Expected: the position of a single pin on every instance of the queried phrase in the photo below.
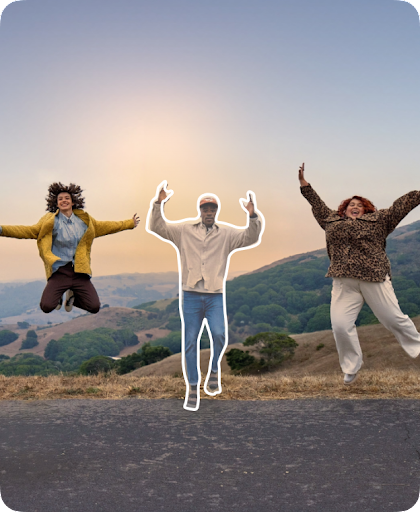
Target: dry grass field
(371, 384)
(388, 372)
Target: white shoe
(58, 306)
(349, 378)
(68, 305)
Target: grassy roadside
(384, 384)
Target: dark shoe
(69, 300)
(212, 386)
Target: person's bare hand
(249, 206)
(136, 220)
(162, 196)
(303, 182)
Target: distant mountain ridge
(20, 301)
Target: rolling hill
(380, 348)
(113, 318)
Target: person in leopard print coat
(356, 239)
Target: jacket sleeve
(246, 237)
(21, 231)
(400, 208)
(168, 231)
(107, 227)
(319, 209)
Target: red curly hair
(367, 205)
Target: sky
(217, 96)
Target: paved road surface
(151, 455)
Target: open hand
(249, 206)
(164, 194)
(303, 182)
(136, 220)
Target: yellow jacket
(43, 229)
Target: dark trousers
(63, 279)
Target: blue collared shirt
(66, 236)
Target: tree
(321, 319)
(23, 325)
(152, 355)
(30, 341)
(125, 337)
(273, 347)
(7, 337)
(172, 341)
(145, 356)
(96, 365)
(27, 364)
(174, 323)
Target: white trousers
(347, 298)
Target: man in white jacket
(203, 248)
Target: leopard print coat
(356, 248)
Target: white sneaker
(69, 300)
(349, 378)
(58, 306)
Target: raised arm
(319, 209)
(157, 223)
(400, 208)
(250, 235)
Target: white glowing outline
(163, 185)
(3, 6)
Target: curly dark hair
(367, 205)
(56, 188)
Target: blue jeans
(197, 307)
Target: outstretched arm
(400, 208)
(319, 209)
(158, 224)
(21, 231)
(108, 227)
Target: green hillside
(294, 296)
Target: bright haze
(214, 96)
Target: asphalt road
(152, 455)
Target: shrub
(274, 347)
(129, 363)
(23, 325)
(238, 359)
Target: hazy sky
(214, 96)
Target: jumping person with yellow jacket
(356, 237)
(64, 238)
